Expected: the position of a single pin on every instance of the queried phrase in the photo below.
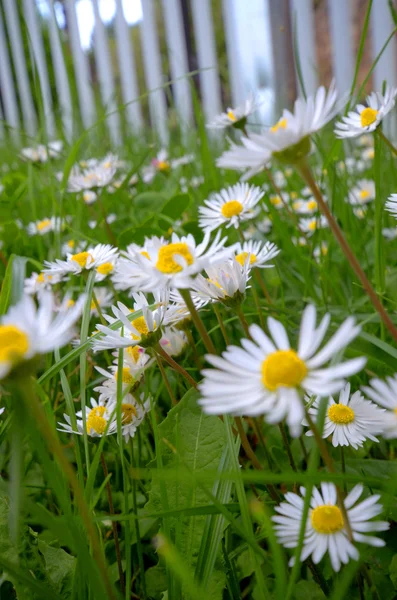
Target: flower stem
(307, 176)
(197, 321)
(114, 524)
(177, 367)
(243, 321)
(287, 447)
(110, 234)
(221, 324)
(262, 285)
(388, 143)
(166, 381)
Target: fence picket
(129, 85)
(207, 59)
(341, 43)
(82, 73)
(303, 27)
(7, 86)
(19, 62)
(178, 59)
(382, 26)
(153, 71)
(235, 70)
(36, 43)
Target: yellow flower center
(141, 326)
(275, 200)
(41, 278)
(281, 124)
(70, 303)
(231, 116)
(145, 254)
(14, 344)
(43, 224)
(371, 154)
(126, 376)
(105, 269)
(340, 414)
(312, 225)
(241, 258)
(293, 195)
(165, 260)
(71, 243)
(368, 116)
(128, 412)
(296, 205)
(134, 352)
(231, 209)
(163, 165)
(82, 258)
(283, 368)
(312, 205)
(364, 194)
(327, 519)
(96, 420)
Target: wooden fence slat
(61, 75)
(177, 53)
(105, 76)
(36, 43)
(7, 86)
(340, 18)
(19, 62)
(207, 59)
(129, 84)
(81, 69)
(382, 25)
(235, 70)
(303, 24)
(153, 70)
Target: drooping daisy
(143, 331)
(384, 393)
(230, 207)
(44, 226)
(259, 253)
(364, 119)
(173, 263)
(267, 377)
(288, 140)
(173, 341)
(312, 224)
(26, 331)
(38, 282)
(325, 527)
(100, 420)
(351, 421)
(101, 257)
(226, 282)
(235, 117)
(362, 193)
(391, 205)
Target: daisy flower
(305, 207)
(177, 313)
(42, 153)
(174, 341)
(173, 263)
(391, 205)
(130, 375)
(325, 527)
(101, 257)
(44, 226)
(267, 376)
(320, 251)
(230, 207)
(390, 233)
(93, 174)
(288, 140)
(310, 225)
(384, 393)
(225, 283)
(104, 298)
(100, 420)
(364, 119)
(259, 253)
(38, 282)
(89, 197)
(143, 331)
(71, 246)
(235, 117)
(351, 421)
(26, 331)
(163, 164)
(362, 193)
(133, 413)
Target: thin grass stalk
(176, 366)
(166, 380)
(221, 323)
(197, 321)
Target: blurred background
(148, 67)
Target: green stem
(243, 321)
(221, 323)
(166, 380)
(177, 367)
(287, 447)
(386, 140)
(198, 322)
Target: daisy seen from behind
(231, 206)
(268, 377)
(325, 530)
(235, 117)
(351, 421)
(384, 393)
(364, 119)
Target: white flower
(259, 253)
(364, 119)
(94, 174)
(368, 154)
(235, 116)
(257, 149)
(362, 193)
(101, 257)
(162, 163)
(325, 527)
(390, 233)
(99, 419)
(104, 298)
(310, 225)
(26, 331)
(38, 282)
(225, 283)
(177, 313)
(320, 251)
(71, 246)
(173, 263)
(174, 341)
(351, 421)
(305, 207)
(267, 377)
(391, 205)
(137, 331)
(230, 207)
(41, 153)
(132, 414)
(384, 393)
(131, 375)
(44, 226)
(89, 197)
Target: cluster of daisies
(168, 281)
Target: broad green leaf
(146, 204)
(59, 566)
(5, 294)
(174, 209)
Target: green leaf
(5, 294)
(393, 571)
(199, 442)
(174, 209)
(146, 204)
(59, 568)
(308, 590)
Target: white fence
(258, 43)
